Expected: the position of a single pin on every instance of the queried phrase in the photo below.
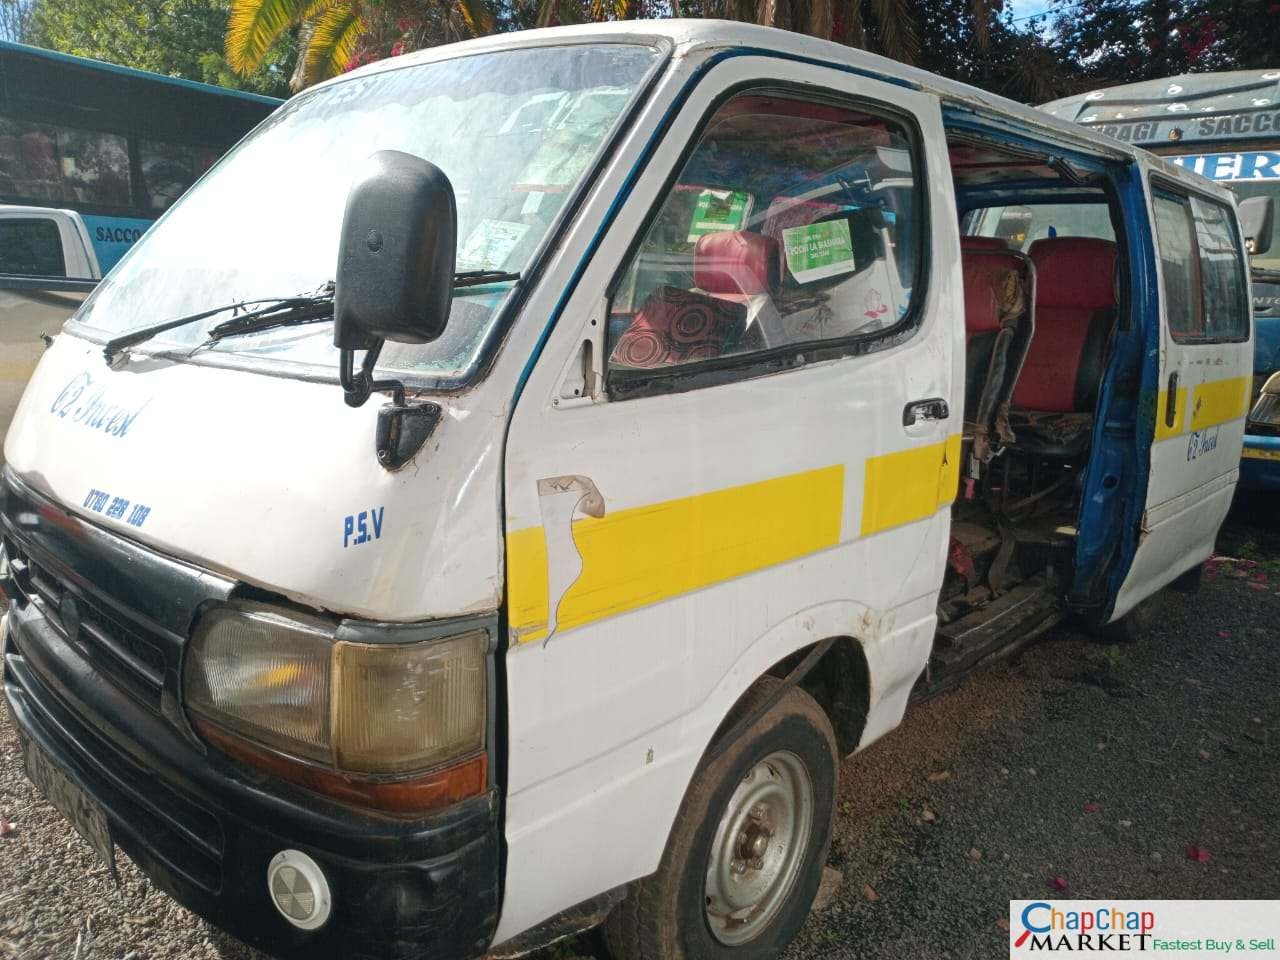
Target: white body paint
(253, 476)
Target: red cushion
(1075, 272)
(736, 262)
(1075, 279)
(983, 243)
(678, 326)
(985, 275)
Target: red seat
(1075, 308)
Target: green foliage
(1123, 41)
(178, 38)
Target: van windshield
(516, 131)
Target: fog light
(298, 889)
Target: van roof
(692, 37)
(1187, 95)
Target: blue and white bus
(1226, 127)
(116, 145)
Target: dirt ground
(1149, 770)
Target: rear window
(31, 248)
(1021, 225)
(1201, 269)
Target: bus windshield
(516, 131)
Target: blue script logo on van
(82, 403)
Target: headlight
(282, 680)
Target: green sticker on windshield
(819, 250)
(717, 211)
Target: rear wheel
(745, 855)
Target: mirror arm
(402, 429)
(358, 387)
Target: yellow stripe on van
(909, 485)
(636, 557)
(1219, 401)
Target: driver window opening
(792, 222)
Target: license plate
(73, 803)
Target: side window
(169, 168)
(1203, 270)
(47, 163)
(31, 248)
(1226, 305)
(793, 221)
(1179, 267)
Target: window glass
(1022, 225)
(1221, 272)
(1179, 268)
(169, 168)
(32, 248)
(791, 222)
(43, 163)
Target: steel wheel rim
(759, 848)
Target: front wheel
(745, 855)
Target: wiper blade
(477, 278)
(286, 313)
(112, 348)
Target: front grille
(184, 836)
(120, 651)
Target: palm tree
(332, 33)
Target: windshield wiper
(279, 312)
(478, 278)
(303, 308)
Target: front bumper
(205, 828)
(1260, 463)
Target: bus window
(56, 164)
(31, 248)
(1022, 225)
(169, 168)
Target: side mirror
(1257, 223)
(394, 282)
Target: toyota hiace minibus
(496, 497)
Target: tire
(679, 912)
(1189, 582)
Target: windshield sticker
(116, 508)
(531, 203)
(358, 528)
(90, 408)
(490, 244)
(719, 210)
(819, 250)
(1233, 166)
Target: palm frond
(254, 25)
(897, 30)
(767, 13)
(334, 38)
(546, 12)
(855, 30)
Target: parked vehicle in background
(1226, 127)
(47, 267)
(590, 436)
(90, 154)
(116, 145)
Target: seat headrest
(993, 284)
(1077, 272)
(983, 243)
(736, 262)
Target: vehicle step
(1006, 622)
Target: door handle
(1171, 401)
(935, 408)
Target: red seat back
(736, 262)
(1074, 310)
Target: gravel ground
(1097, 767)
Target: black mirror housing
(396, 256)
(1257, 222)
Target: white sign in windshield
(1261, 165)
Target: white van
(498, 494)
